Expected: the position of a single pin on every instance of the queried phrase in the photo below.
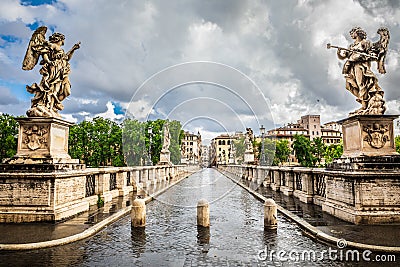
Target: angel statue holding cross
(360, 80)
(54, 86)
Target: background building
(191, 148)
(205, 156)
(220, 149)
(312, 123)
(331, 133)
(287, 133)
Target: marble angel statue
(360, 80)
(54, 86)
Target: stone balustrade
(30, 196)
(360, 197)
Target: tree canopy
(8, 136)
(304, 151)
(97, 143)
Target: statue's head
(357, 31)
(56, 37)
(383, 30)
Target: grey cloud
(6, 97)
(278, 44)
(75, 106)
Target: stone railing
(29, 196)
(365, 197)
(110, 182)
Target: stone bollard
(203, 213)
(270, 214)
(138, 213)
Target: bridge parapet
(360, 197)
(52, 196)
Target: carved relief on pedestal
(35, 137)
(376, 135)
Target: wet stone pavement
(236, 236)
(384, 235)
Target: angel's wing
(380, 48)
(32, 55)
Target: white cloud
(110, 114)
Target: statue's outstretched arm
(71, 52)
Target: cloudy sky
(214, 65)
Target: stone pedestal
(41, 182)
(165, 158)
(362, 186)
(42, 145)
(248, 157)
(368, 135)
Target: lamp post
(262, 131)
(150, 132)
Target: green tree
(115, 144)
(269, 151)
(240, 148)
(134, 142)
(333, 151)
(304, 151)
(177, 134)
(282, 151)
(8, 136)
(97, 143)
(103, 142)
(156, 139)
(318, 148)
(397, 143)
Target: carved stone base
(165, 158)
(43, 138)
(368, 135)
(248, 157)
(42, 146)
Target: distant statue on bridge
(360, 80)
(54, 86)
(249, 140)
(167, 137)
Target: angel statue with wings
(360, 80)
(54, 86)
